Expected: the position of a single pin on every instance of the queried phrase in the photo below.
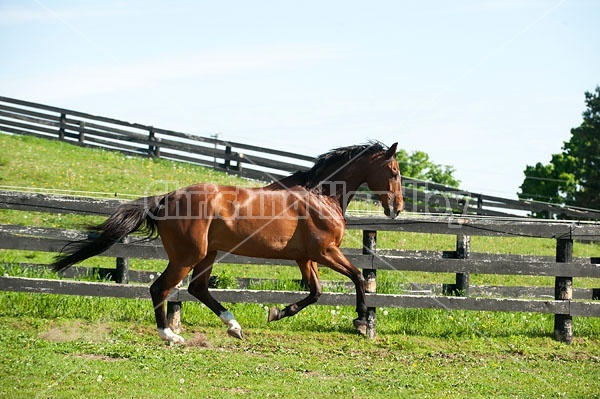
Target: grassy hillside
(65, 346)
(35, 163)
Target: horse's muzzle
(395, 206)
(391, 213)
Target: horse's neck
(343, 184)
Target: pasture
(60, 346)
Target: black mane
(311, 178)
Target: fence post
(61, 129)
(122, 271)
(563, 291)
(461, 286)
(239, 167)
(81, 131)
(151, 147)
(227, 161)
(463, 248)
(370, 275)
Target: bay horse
(300, 217)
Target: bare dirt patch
(76, 331)
(199, 340)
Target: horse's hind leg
(199, 288)
(310, 275)
(159, 290)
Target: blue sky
(485, 86)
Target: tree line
(572, 177)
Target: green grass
(65, 346)
(59, 346)
(35, 163)
(80, 350)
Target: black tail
(139, 215)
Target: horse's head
(384, 181)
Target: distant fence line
(261, 163)
(561, 300)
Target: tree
(573, 176)
(418, 166)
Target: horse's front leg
(310, 275)
(333, 258)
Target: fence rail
(460, 262)
(53, 240)
(81, 288)
(484, 291)
(23, 117)
(83, 129)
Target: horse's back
(253, 221)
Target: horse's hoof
(177, 339)
(235, 333)
(166, 334)
(274, 314)
(361, 326)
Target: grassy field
(60, 346)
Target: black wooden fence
(23, 117)
(561, 300)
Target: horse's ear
(391, 152)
